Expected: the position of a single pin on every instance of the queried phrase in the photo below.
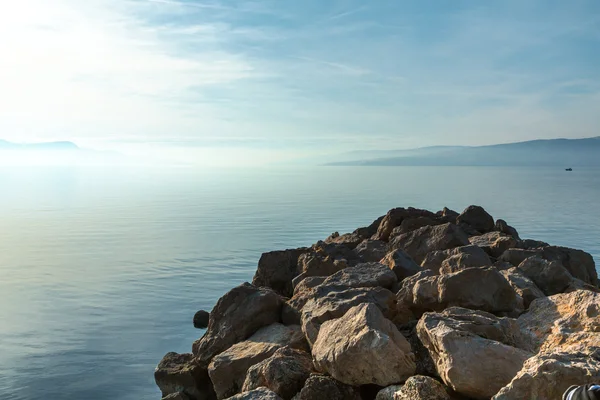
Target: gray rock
(550, 276)
(363, 275)
(412, 223)
(348, 239)
(517, 256)
(370, 250)
(237, 315)
(502, 226)
(318, 264)
(276, 269)
(524, 286)
(464, 260)
(181, 373)
(363, 347)
(472, 254)
(321, 387)
(424, 240)
(395, 217)
(256, 394)
(580, 264)
(477, 218)
(387, 393)
(201, 319)
(401, 264)
(494, 243)
(422, 388)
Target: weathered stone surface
(578, 284)
(321, 387)
(201, 319)
(180, 373)
(502, 226)
(237, 315)
(549, 375)
(422, 388)
(334, 304)
(494, 243)
(256, 394)
(464, 259)
(422, 241)
(579, 263)
(387, 393)
(348, 239)
(276, 269)
(448, 215)
(524, 286)
(284, 372)
(363, 347)
(517, 256)
(565, 322)
(550, 276)
(370, 250)
(363, 275)
(475, 255)
(476, 288)
(318, 264)
(228, 369)
(531, 244)
(401, 264)
(475, 352)
(395, 217)
(477, 218)
(177, 396)
(412, 223)
(423, 360)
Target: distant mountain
(5, 145)
(551, 152)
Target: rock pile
(418, 305)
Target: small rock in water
(201, 319)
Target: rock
(413, 223)
(228, 369)
(423, 361)
(564, 322)
(348, 239)
(528, 244)
(276, 270)
(395, 217)
(284, 372)
(179, 373)
(337, 252)
(321, 387)
(317, 264)
(401, 264)
(494, 243)
(578, 284)
(256, 394)
(237, 315)
(363, 347)
(303, 291)
(369, 231)
(471, 255)
(422, 388)
(524, 286)
(580, 264)
(363, 275)
(550, 276)
(370, 250)
(201, 319)
(329, 304)
(387, 393)
(502, 226)
(424, 240)
(517, 256)
(475, 352)
(477, 218)
(549, 375)
(448, 215)
(476, 288)
(464, 260)
(177, 396)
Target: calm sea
(102, 271)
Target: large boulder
(422, 388)
(475, 352)
(321, 387)
(363, 347)
(237, 315)
(284, 372)
(524, 286)
(276, 269)
(464, 256)
(363, 275)
(424, 240)
(579, 263)
(477, 218)
(476, 288)
(549, 375)
(395, 217)
(317, 264)
(401, 264)
(201, 319)
(550, 276)
(494, 243)
(516, 256)
(412, 223)
(179, 373)
(256, 394)
(370, 250)
(347, 239)
(228, 369)
(388, 393)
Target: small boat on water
(569, 169)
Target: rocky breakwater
(417, 305)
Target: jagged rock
(477, 218)
(502, 265)
(387, 393)
(422, 388)
(369, 231)
(475, 352)
(177, 396)
(502, 226)
(276, 269)
(370, 250)
(329, 304)
(256, 394)
(363, 347)
(550, 276)
(524, 286)
(348, 239)
(578, 284)
(363, 275)
(201, 319)
(228, 369)
(464, 260)
(237, 315)
(494, 243)
(303, 291)
(473, 255)
(531, 244)
(413, 223)
(395, 217)
(565, 322)
(317, 264)
(424, 240)
(321, 387)
(476, 288)
(549, 375)
(401, 264)
(284, 372)
(580, 264)
(517, 256)
(423, 360)
(448, 215)
(180, 373)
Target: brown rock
(422, 388)
(412, 223)
(517, 256)
(180, 373)
(502, 226)
(387, 393)
(237, 315)
(228, 369)
(524, 286)
(473, 256)
(284, 372)
(463, 261)
(395, 217)
(550, 276)
(494, 243)
(363, 275)
(348, 239)
(363, 347)
(474, 351)
(256, 394)
(424, 240)
(318, 264)
(401, 264)
(276, 270)
(580, 264)
(370, 250)
(321, 387)
(477, 218)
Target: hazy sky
(297, 76)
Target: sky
(271, 80)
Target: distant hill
(551, 152)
